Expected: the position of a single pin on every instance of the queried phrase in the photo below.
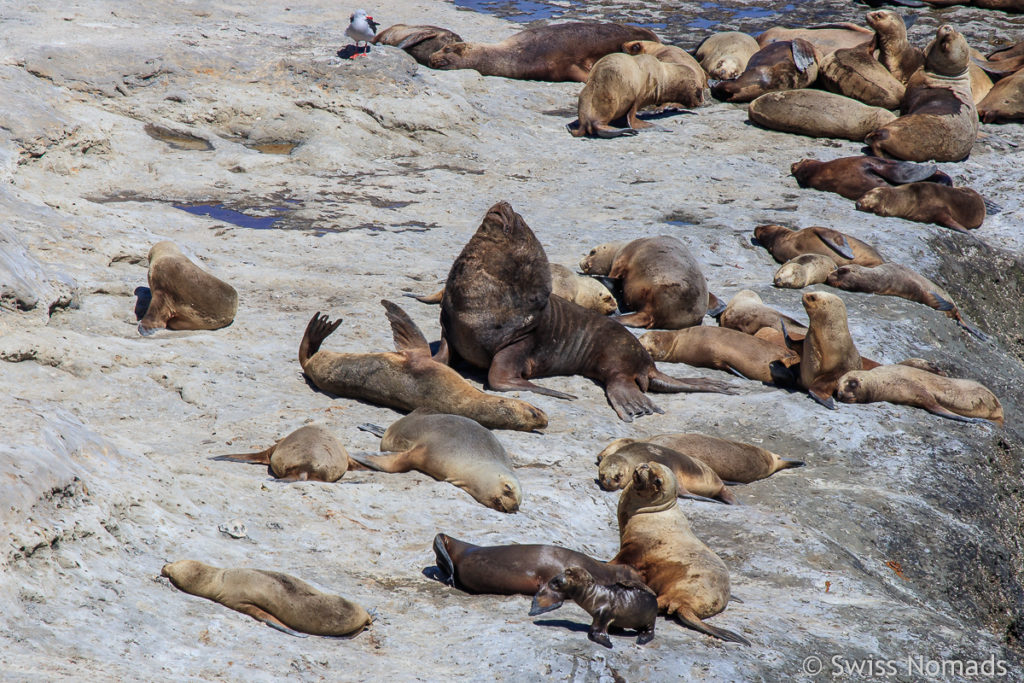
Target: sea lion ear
(803, 54)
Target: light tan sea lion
(724, 55)
(278, 600)
(853, 177)
(448, 448)
(778, 66)
(785, 244)
(957, 208)
(691, 581)
(185, 297)
(309, 453)
(408, 378)
(828, 349)
(894, 49)
(747, 313)
(673, 55)
(719, 348)
(957, 399)
(803, 271)
(1005, 102)
(854, 72)
(615, 465)
(826, 38)
(817, 113)
(733, 461)
(419, 41)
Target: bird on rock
(361, 29)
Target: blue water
(222, 213)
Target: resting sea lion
(185, 297)
(957, 399)
(661, 281)
(958, 208)
(691, 581)
(939, 120)
(559, 52)
(615, 465)
(719, 348)
(515, 569)
(853, 177)
(624, 604)
(817, 113)
(828, 349)
(278, 600)
(309, 453)
(785, 244)
(724, 55)
(1005, 102)
(1012, 52)
(803, 271)
(826, 38)
(748, 314)
(408, 378)
(854, 72)
(498, 313)
(449, 448)
(419, 41)
(1004, 5)
(778, 66)
(731, 460)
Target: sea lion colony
(498, 312)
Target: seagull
(361, 29)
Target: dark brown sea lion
(719, 348)
(779, 66)
(748, 314)
(1005, 102)
(498, 313)
(784, 244)
(515, 569)
(278, 600)
(408, 378)
(854, 72)
(828, 349)
(309, 453)
(958, 208)
(623, 604)
(826, 38)
(853, 177)
(419, 41)
(559, 52)
(724, 55)
(185, 297)
(695, 479)
(1015, 6)
(817, 113)
(733, 461)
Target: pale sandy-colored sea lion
(817, 113)
(185, 297)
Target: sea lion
(828, 349)
(853, 177)
(448, 448)
(817, 113)
(419, 41)
(185, 297)
(498, 313)
(804, 270)
(938, 118)
(673, 55)
(1005, 102)
(694, 479)
(278, 600)
(1016, 6)
(310, 453)
(957, 399)
(408, 378)
(515, 569)
(623, 604)
(691, 581)
(957, 208)
(621, 84)
(785, 244)
(1012, 52)
(661, 281)
(894, 49)
(854, 72)
(719, 348)
(558, 52)
(779, 66)
(724, 55)
(826, 38)
(747, 313)
(892, 279)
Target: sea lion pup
(892, 279)
(826, 38)
(515, 569)
(724, 55)
(719, 348)
(785, 244)
(661, 281)
(957, 399)
(673, 55)
(278, 600)
(407, 378)
(185, 297)
(310, 453)
(803, 271)
(623, 604)
(1005, 102)
(733, 461)
(747, 313)
(817, 113)
(957, 208)
(938, 118)
(854, 72)
(691, 581)
(853, 177)
(448, 448)
(828, 349)
(559, 52)
(498, 313)
(694, 479)
(779, 66)
(620, 85)
(419, 41)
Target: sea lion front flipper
(903, 172)
(407, 335)
(645, 635)
(607, 132)
(415, 39)
(505, 374)
(627, 400)
(444, 560)
(158, 313)
(434, 298)
(736, 372)
(392, 463)
(638, 319)
(973, 330)
(599, 630)
(269, 619)
(803, 57)
(376, 430)
(715, 306)
(688, 618)
(821, 391)
(840, 245)
(667, 384)
(317, 330)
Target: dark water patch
(414, 167)
(243, 220)
(523, 11)
(177, 140)
(282, 147)
(379, 203)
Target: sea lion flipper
(715, 306)
(638, 319)
(787, 464)
(973, 330)
(820, 393)
(840, 245)
(260, 458)
(781, 375)
(414, 39)
(903, 172)
(317, 330)
(688, 618)
(599, 632)
(666, 384)
(505, 375)
(936, 409)
(376, 430)
(943, 304)
(434, 298)
(607, 132)
(704, 499)
(803, 55)
(736, 372)
(392, 463)
(444, 560)
(991, 207)
(407, 335)
(269, 619)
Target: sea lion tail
(434, 298)
(666, 384)
(407, 335)
(444, 560)
(318, 329)
(688, 618)
(261, 458)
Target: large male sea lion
(719, 348)
(957, 208)
(826, 38)
(558, 52)
(747, 313)
(853, 177)
(309, 453)
(804, 270)
(785, 244)
(779, 66)
(615, 465)
(828, 349)
(407, 378)
(419, 41)
(185, 297)
(724, 55)
(278, 600)
(817, 113)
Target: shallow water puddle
(283, 147)
(177, 140)
(243, 220)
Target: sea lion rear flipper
(261, 458)
(973, 330)
(505, 375)
(392, 463)
(444, 560)
(781, 375)
(803, 57)
(269, 619)
(725, 495)
(407, 335)
(936, 409)
(666, 384)
(638, 319)
(991, 207)
(787, 464)
(903, 172)
(840, 245)
(599, 630)
(318, 329)
(628, 401)
(434, 298)
(715, 306)
(688, 618)
(943, 304)
(376, 430)
(607, 132)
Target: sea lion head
(641, 47)
(450, 56)
(559, 588)
(791, 275)
(887, 23)
(767, 234)
(185, 573)
(614, 473)
(614, 447)
(596, 296)
(802, 170)
(872, 199)
(658, 344)
(524, 416)
(853, 388)
(508, 494)
(654, 482)
(745, 297)
(165, 248)
(844, 277)
(599, 260)
(822, 306)
(948, 53)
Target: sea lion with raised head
(185, 297)
(828, 349)
(785, 244)
(615, 465)
(691, 581)
(747, 313)
(957, 208)
(418, 41)
(310, 453)
(719, 348)
(853, 177)
(779, 66)
(817, 113)
(733, 461)
(724, 55)
(804, 270)
(826, 38)
(895, 52)
(623, 604)
(407, 378)
(278, 600)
